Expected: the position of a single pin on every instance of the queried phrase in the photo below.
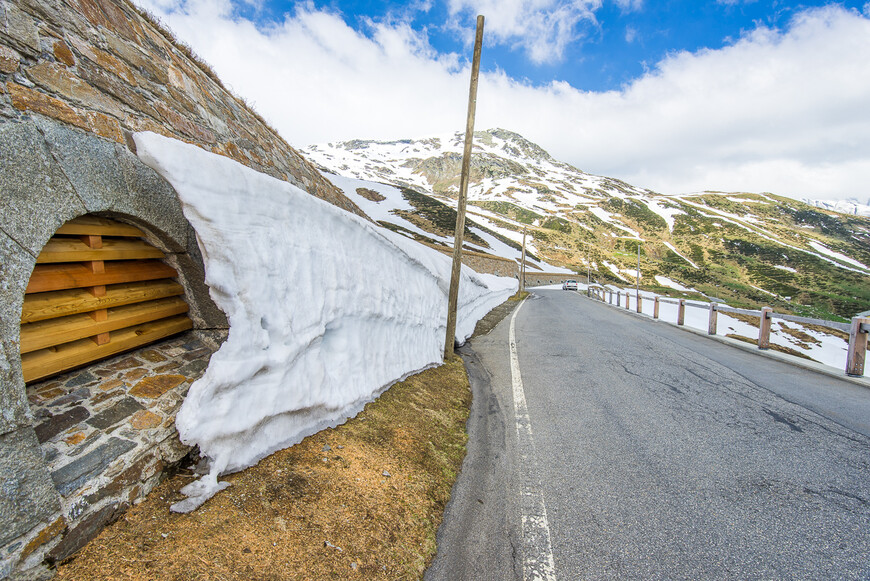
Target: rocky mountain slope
(748, 249)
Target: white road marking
(538, 561)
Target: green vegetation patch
(637, 211)
(510, 210)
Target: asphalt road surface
(649, 452)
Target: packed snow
(325, 309)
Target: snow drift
(325, 309)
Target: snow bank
(325, 309)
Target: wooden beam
(45, 362)
(53, 277)
(41, 306)
(75, 250)
(713, 320)
(857, 352)
(764, 328)
(51, 332)
(86, 225)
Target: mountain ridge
(750, 249)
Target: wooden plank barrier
(98, 289)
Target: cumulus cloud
(542, 28)
(778, 110)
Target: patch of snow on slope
(836, 255)
(607, 217)
(325, 309)
(785, 268)
(665, 281)
(678, 253)
(669, 214)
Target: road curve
(661, 454)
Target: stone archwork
(79, 447)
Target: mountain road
(604, 445)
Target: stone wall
(101, 66)
(76, 77)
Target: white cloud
(543, 28)
(781, 111)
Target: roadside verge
(364, 499)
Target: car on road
(569, 285)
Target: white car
(569, 285)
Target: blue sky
(672, 95)
(616, 44)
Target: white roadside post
(453, 295)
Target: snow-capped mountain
(848, 206)
(504, 167)
(749, 249)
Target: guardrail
(858, 329)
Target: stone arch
(50, 174)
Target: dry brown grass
(363, 500)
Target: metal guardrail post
(764, 328)
(681, 312)
(714, 319)
(857, 346)
(656, 308)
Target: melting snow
(836, 255)
(678, 253)
(665, 281)
(325, 309)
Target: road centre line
(538, 563)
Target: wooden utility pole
(453, 296)
(523, 264)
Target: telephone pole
(453, 295)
